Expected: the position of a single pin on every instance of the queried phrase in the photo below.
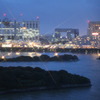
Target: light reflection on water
(87, 66)
(16, 54)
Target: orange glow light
(95, 34)
(24, 28)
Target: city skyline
(54, 13)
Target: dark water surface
(87, 66)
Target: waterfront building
(87, 41)
(65, 34)
(94, 28)
(14, 30)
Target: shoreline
(42, 58)
(45, 88)
(72, 50)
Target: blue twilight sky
(54, 13)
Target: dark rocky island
(18, 79)
(64, 57)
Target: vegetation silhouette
(28, 77)
(64, 57)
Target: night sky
(53, 13)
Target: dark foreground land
(64, 57)
(18, 79)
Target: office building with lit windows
(65, 34)
(94, 28)
(14, 30)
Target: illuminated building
(94, 28)
(14, 30)
(66, 33)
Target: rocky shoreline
(45, 88)
(98, 58)
(42, 58)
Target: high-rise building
(94, 28)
